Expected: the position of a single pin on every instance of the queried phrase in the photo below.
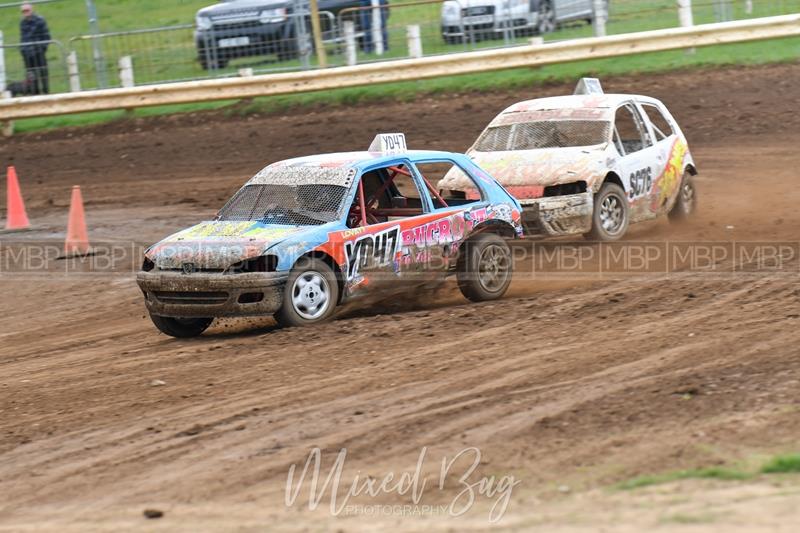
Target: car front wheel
(485, 269)
(181, 328)
(610, 216)
(310, 295)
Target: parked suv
(232, 29)
(490, 19)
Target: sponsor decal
(235, 229)
(669, 180)
(375, 250)
(348, 233)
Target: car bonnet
(215, 245)
(525, 173)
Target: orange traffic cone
(17, 217)
(77, 242)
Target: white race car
(590, 163)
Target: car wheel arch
(500, 227)
(690, 168)
(611, 177)
(331, 262)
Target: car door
(571, 9)
(665, 137)
(640, 159)
(389, 200)
(442, 235)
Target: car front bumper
(174, 294)
(558, 215)
(455, 28)
(261, 38)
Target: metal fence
(23, 74)
(186, 52)
(252, 41)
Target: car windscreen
(543, 134)
(288, 204)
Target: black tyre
(310, 296)
(181, 328)
(686, 203)
(547, 18)
(485, 268)
(610, 217)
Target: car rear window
(543, 134)
(296, 205)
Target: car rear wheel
(485, 268)
(310, 295)
(181, 328)
(686, 203)
(610, 217)
(547, 17)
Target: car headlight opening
(263, 263)
(269, 16)
(450, 10)
(203, 23)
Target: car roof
(360, 160)
(604, 104)
(337, 168)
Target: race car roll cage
(364, 211)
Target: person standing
(367, 43)
(34, 36)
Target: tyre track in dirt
(442, 409)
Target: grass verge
(780, 464)
(726, 474)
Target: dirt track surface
(570, 385)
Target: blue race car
(306, 234)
